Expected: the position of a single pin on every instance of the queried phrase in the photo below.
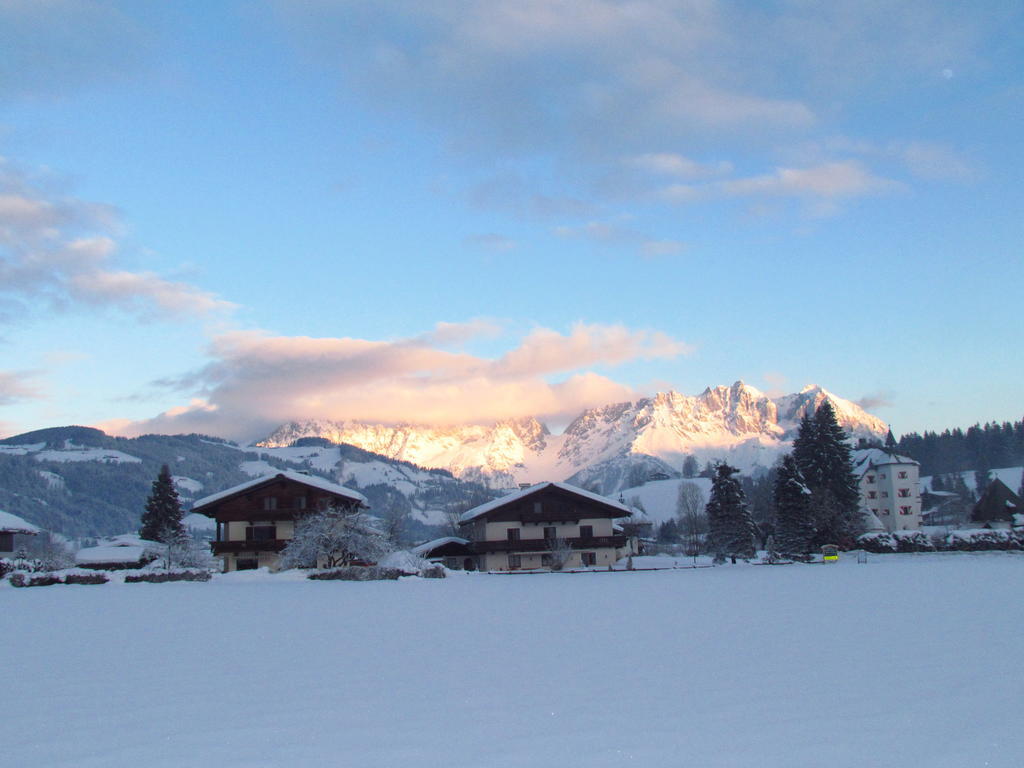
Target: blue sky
(217, 216)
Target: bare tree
(336, 537)
(559, 552)
(692, 521)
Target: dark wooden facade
(997, 504)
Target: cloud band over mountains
(257, 380)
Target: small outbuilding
(11, 526)
(997, 506)
(450, 551)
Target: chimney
(524, 486)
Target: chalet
(997, 506)
(524, 529)
(450, 551)
(11, 526)
(889, 488)
(256, 519)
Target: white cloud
(830, 180)
(256, 380)
(672, 164)
(61, 251)
(15, 386)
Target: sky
(216, 217)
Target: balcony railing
(543, 545)
(250, 545)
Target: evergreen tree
(690, 467)
(822, 454)
(794, 522)
(938, 484)
(162, 520)
(982, 479)
(731, 530)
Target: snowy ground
(909, 660)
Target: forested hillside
(981, 447)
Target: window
(246, 564)
(537, 507)
(546, 560)
(905, 510)
(299, 502)
(588, 558)
(885, 494)
(903, 493)
(586, 531)
(875, 510)
(902, 475)
(872, 494)
(885, 512)
(550, 533)
(513, 534)
(6, 542)
(882, 476)
(871, 478)
(269, 503)
(260, 532)
(515, 562)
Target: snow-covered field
(908, 660)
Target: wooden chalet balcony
(249, 545)
(541, 545)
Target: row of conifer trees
(816, 497)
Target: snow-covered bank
(907, 660)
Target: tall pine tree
(823, 456)
(730, 529)
(162, 520)
(794, 516)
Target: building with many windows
(889, 488)
(537, 526)
(256, 519)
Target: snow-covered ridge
(737, 423)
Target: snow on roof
(13, 524)
(116, 554)
(865, 459)
(427, 546)
(483, 509)
(298, 477)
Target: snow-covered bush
(160, 577)
(982, 540)
(912, 541)
(406, 562)
(21, 579)
(6, 566)
(358, 573)
(878, 542)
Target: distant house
(11, 526)
(118, 553)
(522, 530)
(997, 506)
(256, 519)
(889, 488)
(450, 551)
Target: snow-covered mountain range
(739, 424)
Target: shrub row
(19, 579)
(160, 577)
(960, 541)
(358, 573)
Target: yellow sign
(830, 553)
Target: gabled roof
(869, 458)
(298, 477)
(483, 509)
(13, 524)
(431, 545)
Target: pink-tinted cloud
(62, 251)
(256, 381)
